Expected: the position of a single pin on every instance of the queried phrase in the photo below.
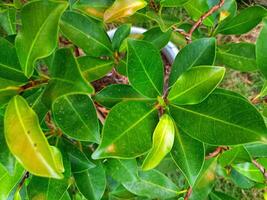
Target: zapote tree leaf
(85, 33)
(27, 142)
(123, 8)
(126, 133)
(195, 85)
(163, 138)
(173, 3)
(65, 78)
(8, 20)
(76, 116)
(38, 36)
(188, 154)
(120, 35)
(200, 52)
(145, 68)
(220, 196)
(224, 118)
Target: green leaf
(27, 142)
(123, 8)
(261, 48)
(8, 20)
(120, 35)
(222, 119)
(200, 52)
(238, 56)
(9, 181)
(153, 184)
(75, 115)
(9, 64)
(240, 180)
(157, 37)
(43, 188)
(122, 170)
(116, 93)
(205, 181)
(120, 193)
(188, 154)
(92, 182)
(243, 22)
(94, 68)
(66, 78)
(220, 196)
(250, 171)
(38, 36)
(126, 133)
(8, 89)
(163, 138)
(85, 33)
(145, 68)
(195, 85)
(172, 3)
(257, 150)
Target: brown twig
(188, 194)
(32, 84)
(188, 36)
(25, 176)
(215, 153)
(261, 168)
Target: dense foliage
(87, 115)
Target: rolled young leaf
(123, 8)
(145, 68)
(195, 85)
(163, 138)
(120, 35)
(38, 37)
(224, 118)
(27, 142)
(126, 133)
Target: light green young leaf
(145, 68)
(163, 138)
(27, 142)
(120, 35)
(38, 36)
(126, 133)
(195, 85)
(8, 20)
(76, 116)
(224, 118)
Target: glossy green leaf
(153, 184)
(157, 37)
(172, 3)
(205, 181)
(200, 52)
(220, 196)
(126, 133)
(145, 68)
(120, 192)
(8, 89)
(257, 150)
(27, 142)
(94, 68)
(38, 36)
(8, 20)
(122, 170)
(240, 180)
(261, 48)
(120, 35)
(243, 22)
(123, 8)
(9, 181)
(238, 56)
(222, 119)
(76, 116)
(116, 93)
(163, 139)
(195, 85)
(85, 33)
(43, 188)
(250, 171)
(91, 183)
(66, 78)
(188, 154)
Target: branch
(32, 84)
(188, 194)
(215, 153)
(261, 168)
(188, 36)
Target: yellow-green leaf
(27, 142)
(123, 8)
(163, 139)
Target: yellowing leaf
(163, 139)
(123, 8)
(27, 142)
